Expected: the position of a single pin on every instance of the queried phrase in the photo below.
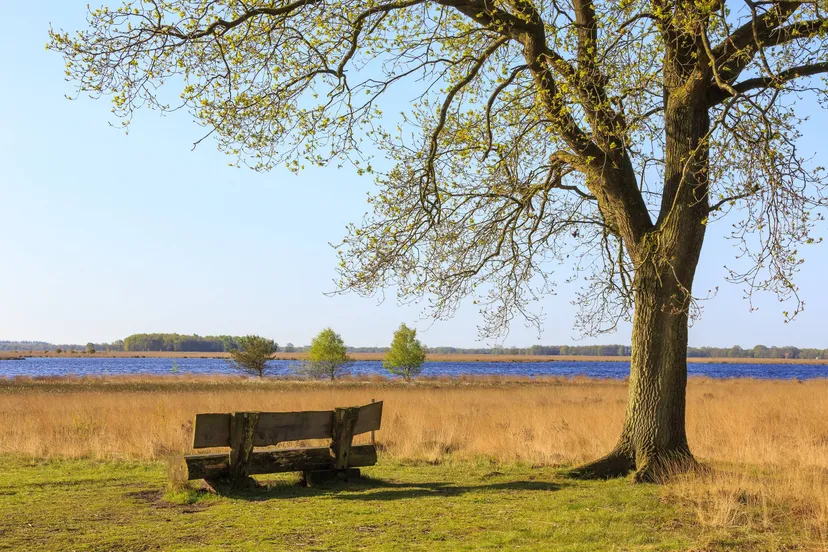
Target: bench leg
(242, 429)
(320, 477)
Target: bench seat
(217, 465)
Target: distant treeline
(177, 342)
(34, 346)
(25, 346)
(137, 343)
(759, 351)
(548, 350)
(223, 343)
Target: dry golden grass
(767, 439)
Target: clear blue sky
(104, 234)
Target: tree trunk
(653, 441)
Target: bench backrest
(213, 430)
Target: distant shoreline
(4, 355)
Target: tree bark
(653, 440)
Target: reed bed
(768, 440)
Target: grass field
(380, 356)
(465, 464)
(116, 506)
(88, 505)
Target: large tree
(610, 133)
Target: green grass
(93, 505)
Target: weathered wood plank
(199, 466)
(343, 434)
(211, 430)
(278, 427)
(216, 466)
(242, 427)
(369, 419)
(373, 433)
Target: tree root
(654, 468)
(615, 464)
(661, 468)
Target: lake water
(167, 366)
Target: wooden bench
(242, 431)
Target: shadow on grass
(369, 489)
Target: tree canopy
(406, 355)
(327, 356)
(252, 353)
(536, 130)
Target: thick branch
(540, 59)
(486, 14)
(718, 95)
(737, 50)
(592, 81)
(756, 28)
